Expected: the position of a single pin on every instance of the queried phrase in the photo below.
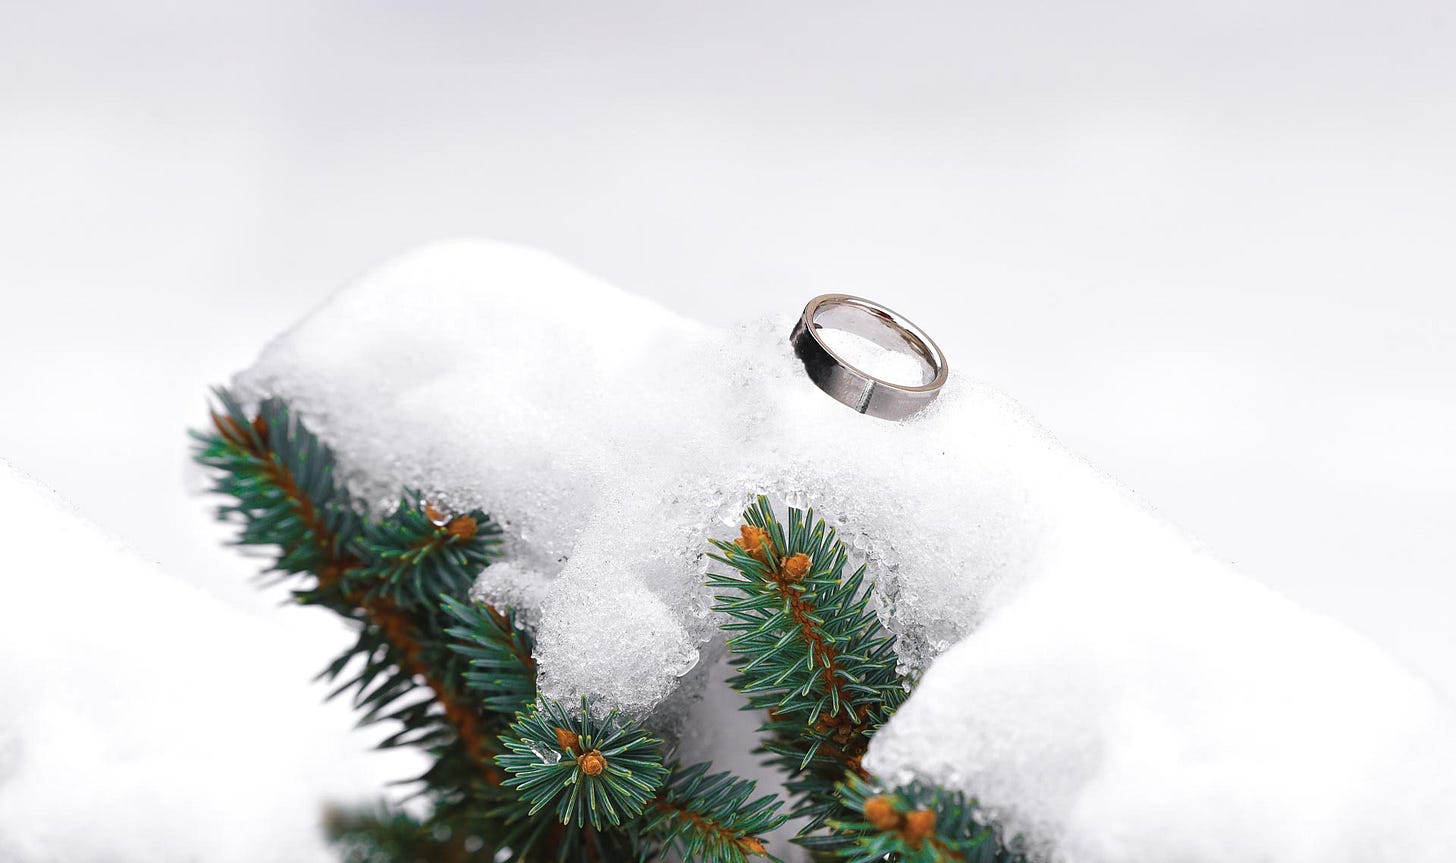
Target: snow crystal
(1097, 649)
(515, 585)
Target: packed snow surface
(1106, 687)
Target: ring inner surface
(878, 327)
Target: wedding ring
(849, 385)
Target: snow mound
(1140, 702)
(1114, 692)
(142, 721)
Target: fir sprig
(916, 824)
(498, 651)
(281, 481)
(388, 835)
(285, 491)
(709, 817)
(597, 772)
(419, 548)
(807, 650)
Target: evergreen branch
(386, 835)
(708, 817)
(807, 649)
(418, 548)
(413, 659)
(498, 652)
(915, 824)
(499, 814)
(597, 772)
(283, 481)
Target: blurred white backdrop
(1211, 246)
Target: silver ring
(849, 385)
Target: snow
(1107, 686)
(1140, 702)
(144, 721)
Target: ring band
(851, 386)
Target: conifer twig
(710, 816)
(807, 650)
(916, 824)
(336, 563)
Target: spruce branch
(709, 817)
(597, 772)
(498, 652)
(386, 835)
(283, 482)
(806, 649)
(916, 824)
(419, 548)
(540, 838)
(281, 478)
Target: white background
(1211, 245)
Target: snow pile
(1139, 702)
(142, 721)
(1114, 692)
